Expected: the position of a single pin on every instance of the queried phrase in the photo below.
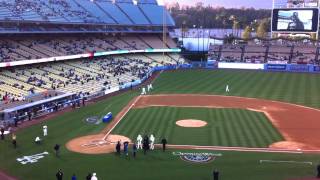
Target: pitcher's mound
(191, 123)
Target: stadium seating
(85, 11)
(77, 76)
(15, 49)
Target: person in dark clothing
(145, 144)
(134, 150)
(318, 169)
(118, 148)
(164, 142)
(215, 175)
(59, 175)
(2, 133)
(88, 177)
(296, 23)
(57, 149)
(125, 148)
(29, 115)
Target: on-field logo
(32, 159)
(197, 157)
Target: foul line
(107, 134)
(294, 162)
(240, 149)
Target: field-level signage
(197, 157)
(32, 159)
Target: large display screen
(295, 20)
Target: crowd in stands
(79, 76)
(15, 49)
(272, 53)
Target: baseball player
(152, 139)
(151, 87)
(148, 87)
(45, 130)
(227, 88)
(143, 91)
(139, 142)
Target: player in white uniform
(152, 139)
(139, 142)
(45, 130)
(143, 91)
(227, 88)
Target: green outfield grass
(226, 127)
(290, 87)
(299, 88)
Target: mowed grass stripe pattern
(226, 127)
(298, 88)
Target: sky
(258, 4)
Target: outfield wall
(308, 68)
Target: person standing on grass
(118, 148)
(227, 88)
(59, 175)
(57, 149)
(45, 130)
(215, 175)
(139, 141)
(14, 140)
(94, 176)
(134, 150)
(164, 142)
(318, 169)
(88, 177)
(125, 148)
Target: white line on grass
(136, 100)
(294, 162)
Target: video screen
(295, 20)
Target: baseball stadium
(146, 90)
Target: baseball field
(256, 128)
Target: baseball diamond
(159, 90)
(240, 128)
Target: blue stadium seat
(94, 9)
(134, 13)
(148, 2)
(155, 14)
(116, 13)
